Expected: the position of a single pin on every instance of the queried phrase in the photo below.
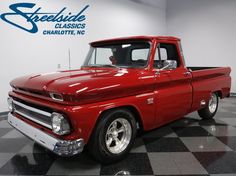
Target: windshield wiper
(107, 65)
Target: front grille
(43, 108)
(36, 115)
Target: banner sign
(64, 22)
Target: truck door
(173, 90)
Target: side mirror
(169, 65)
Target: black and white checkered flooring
(188, 146)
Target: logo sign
(64, 22)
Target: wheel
(113, 136)
(210, 110)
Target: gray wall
(208, 31)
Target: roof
(138, 38)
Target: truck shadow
(191, 127)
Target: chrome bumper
(60, 147)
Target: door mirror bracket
(169, 65)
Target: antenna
(69, 59)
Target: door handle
(187, 73)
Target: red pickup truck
(124, 85)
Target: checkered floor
(186, 147)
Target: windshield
(133, 54)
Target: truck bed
(209, 79)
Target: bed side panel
(207, 81)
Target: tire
(113, 136)
(210, 110)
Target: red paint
(90, 91)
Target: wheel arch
(131, 108)
(219, 93)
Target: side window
(163, 53)
(167, 52)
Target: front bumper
(60, 147)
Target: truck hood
(87, 84)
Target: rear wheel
(113, 136)
(210, 110)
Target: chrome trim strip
(60, 147)
(33, 119)
(32, 109)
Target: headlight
(10, 104)
(60, 125)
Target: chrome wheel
(213, 103)
(118, 135)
